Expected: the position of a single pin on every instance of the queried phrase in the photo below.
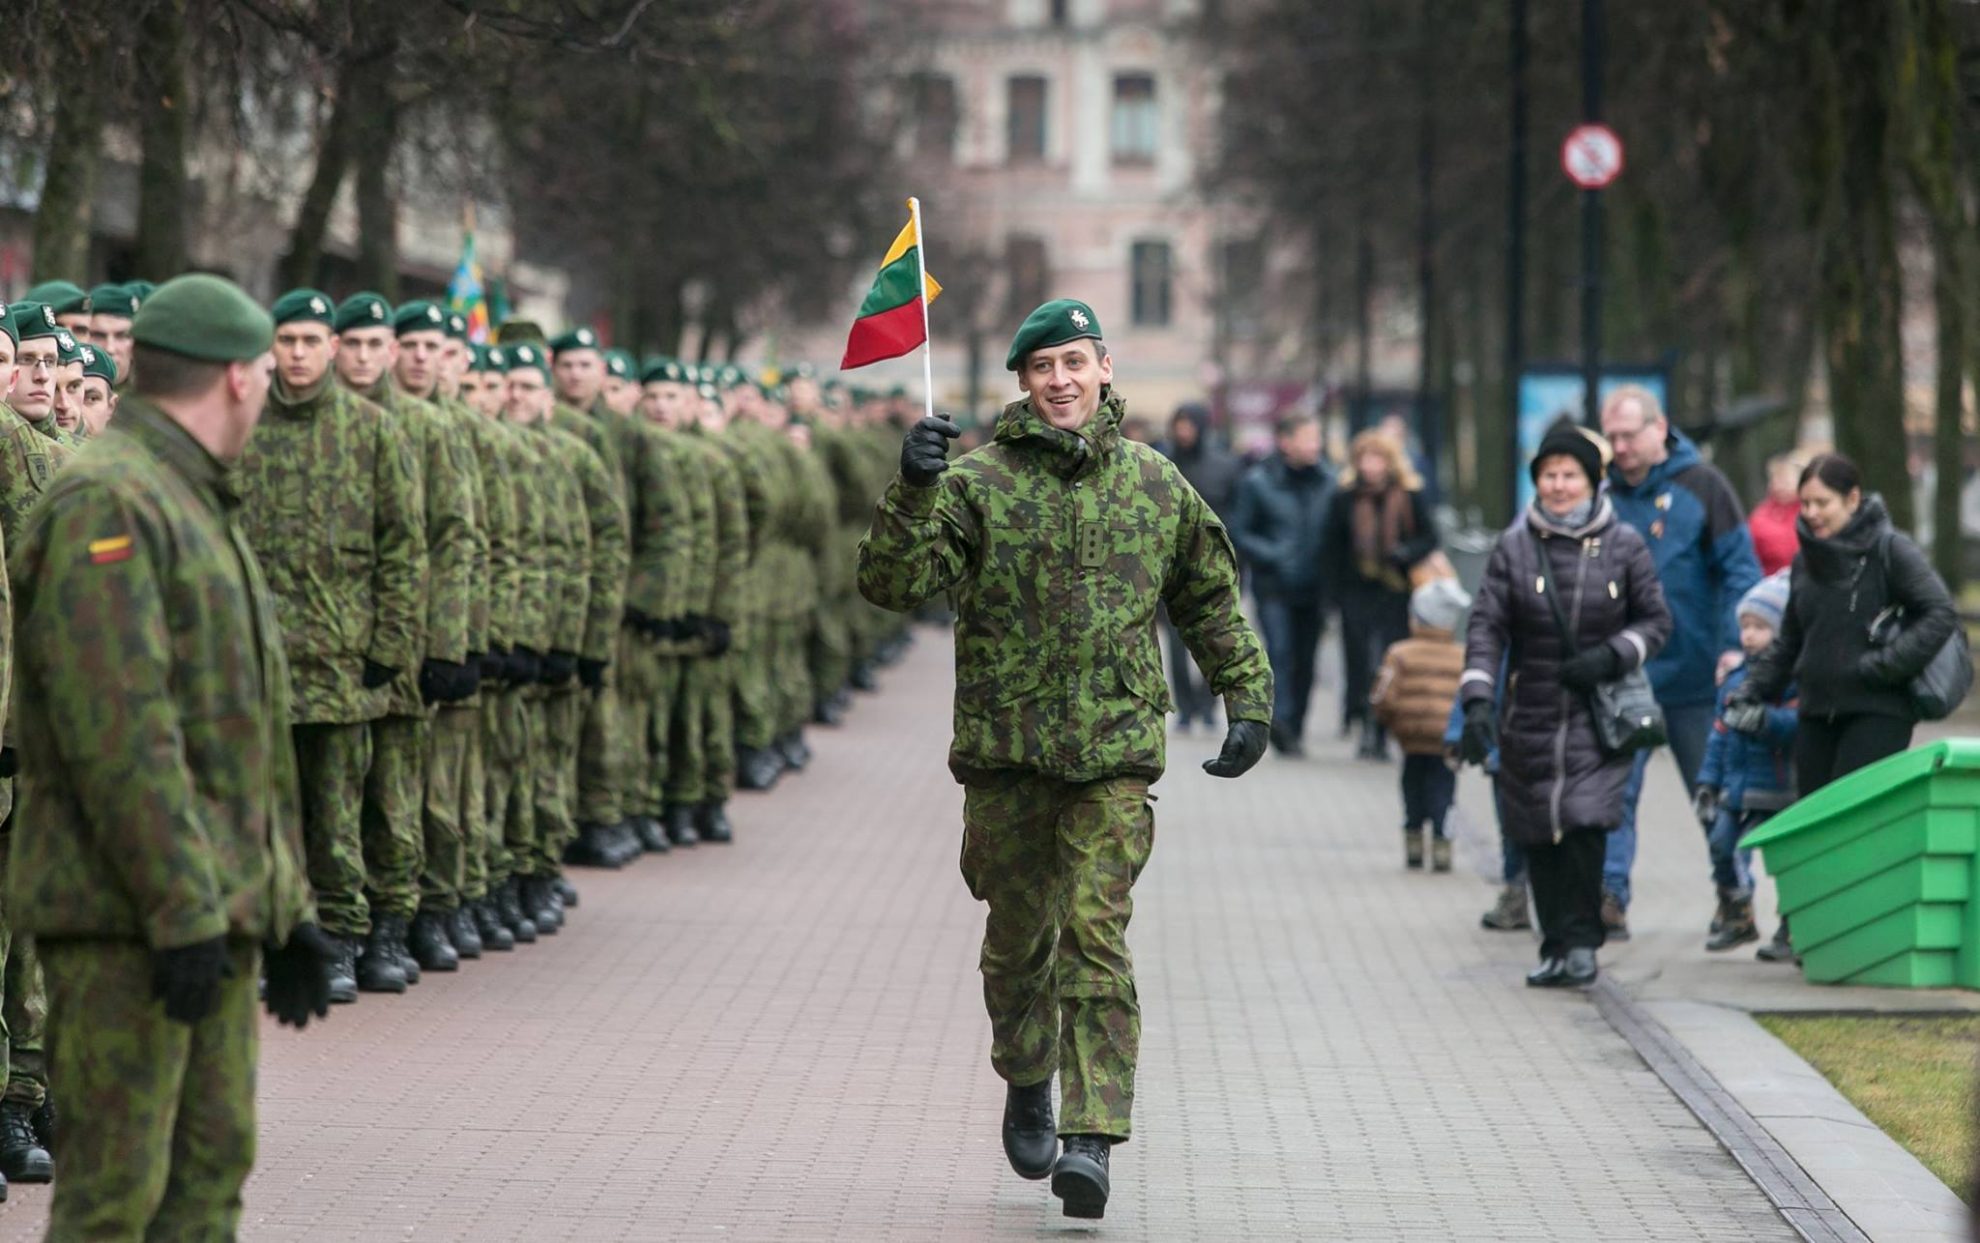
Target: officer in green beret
(99, 391)
(70, 302)
(622, 391)
(1059, 539)
(111, 308)
(327, 469)
(67, 414)
(158, 859)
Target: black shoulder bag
(1625, 710)
(1940, 687)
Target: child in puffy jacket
(1746, 776)
(1412, 700)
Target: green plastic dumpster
(1880, 872)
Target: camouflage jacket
(160, 794)
(567, 576)
(526, 601)
(501, 529)
(658, 507)
(464, 456)
(28, 462)
(1059, 545)
(729, 528)
(331, 503)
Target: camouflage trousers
(394, 796)
(790, 671)
(601, 751)
(558, 722)
(331, 763)
(755, 705)
(831, 647)
(23, 1012)
(1056, 862)
(508, 717)
(157, 1116)
(648, 722)
(454, 798)
(702, 767)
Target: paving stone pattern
(784, 1039)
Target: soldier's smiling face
(1064, 382)
(303, 350)
(34, 386)
(365, 354)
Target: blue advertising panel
(1546, 394)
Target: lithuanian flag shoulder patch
(105, 551)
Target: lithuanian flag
(892, 320)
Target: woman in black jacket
(1559, 793)
(1855, 702)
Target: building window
(1027, 118)
(1150, 266)
(934, 96)
(1243, 281)
(1136, 119)
(1029, 274)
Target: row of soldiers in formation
(541, 605)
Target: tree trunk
(68, 192)
(303, 264)
(163, 107)
(374, 135)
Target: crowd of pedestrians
(1635, 584)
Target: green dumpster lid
(1866, 785)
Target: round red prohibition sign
(1592, 156)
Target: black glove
(1244, 742)
(1705, 805)
(641, 623)
(558, 669)
(925, 451)
(377, 675)
(494, 663)
(10, 762)
(591, 673)
(716, 631)
(1744, 714)
(446, 681)
(298, 973)
(1481, 732)
(187, 979)
(1588, 669)
(525, 665)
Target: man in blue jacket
(1696, 528)
(1281, 506)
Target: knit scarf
(1382, 520)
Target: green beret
(666, 371)
(528, 356)
(803, 371)
(1057, 322)
(141, 290)
(32, 321)
(303, 304)
(478, 359)
(205, 317)
(575, 339)
(708, 391)
(68, 350)
(497, 358)
(731, 376)
(419, 316)
(99, 364)
(65, 297)
(362, 310)
(897, 393)
(7, 323)
(515, 330)
(619, 363)
(112, 300)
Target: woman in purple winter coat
(1559, 794)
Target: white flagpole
(921, 295)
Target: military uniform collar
(1070, 453)
(280, 394)
(172, 444)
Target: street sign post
(1592, 156)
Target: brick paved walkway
(784, 1040)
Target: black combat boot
(796, 753)
(509, 906)
(711, 823)
(495, 935)
(43, 1119)
(343, 972)
(567, 894)
(757, 768)
(431, 947)
(1080, 1177)
(462, 932)
(534, 897)
(378, 967)
(681, 829)
(398, 927)
(651, 835)
(1031, 1141)
(22, 1158)
(592, 848)
(619, 843)
(826, 711)
(863, 678)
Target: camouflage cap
(457, 326)
(527, 357)
(362, 310)
(31, 321)
(420, 315)
(303, 304)
(68, 350)
(575, 339)
(66, 297)
(1055, 323)
(665, 370)
(112, 300)
(99, 364)
(205, 317)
